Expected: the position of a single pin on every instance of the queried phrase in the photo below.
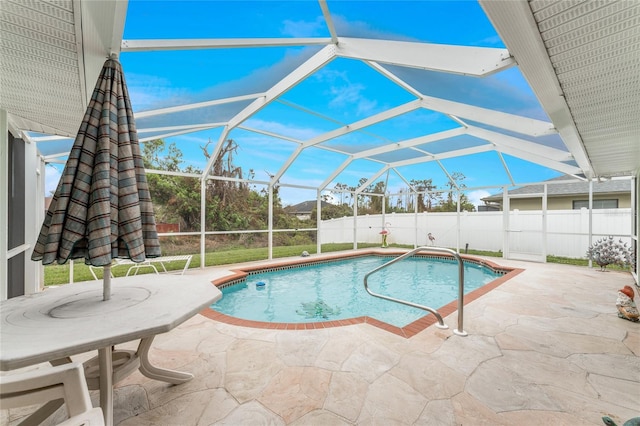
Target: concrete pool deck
(545, 347)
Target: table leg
(156, 373)
(106, 384)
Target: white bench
(149, 263)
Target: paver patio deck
(544, 348)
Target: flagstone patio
(544, 348)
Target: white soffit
(41, 40)
(582, 59)
(595, 50)
(49, 51)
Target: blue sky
(342, 92)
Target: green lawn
(59, 274)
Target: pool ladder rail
(458, 331)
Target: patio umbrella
(102, 209)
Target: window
(597, 204)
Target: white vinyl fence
(567, 230)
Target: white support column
(544, 224)
(270, 222)
(203, 215)
(34, 216)
(635, 197)
(505, 222)
(384, 216)
(415, 222)
(4, 203)
(458, 223)
(318, 222)
(590, 217)
(355, 220)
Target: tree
(352, 194)
(227, 191)
(375, 202)
(450, 204)
(425, 198)
(231, 203)
(176, 198)
(153, 155)
(339, 189)
(400, 205)
(362, 200)
(331, 211)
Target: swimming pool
(331, 291)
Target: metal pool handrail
(459, 331)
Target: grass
(59, 274)
(583, 262)
(567, 260)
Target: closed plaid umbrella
(102, 208)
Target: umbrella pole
(106, 279)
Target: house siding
(566, 203)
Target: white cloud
(149, 92)
(303, 28)
(344, 94)
(366, 106)
(475, 197)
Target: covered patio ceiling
(558, 91)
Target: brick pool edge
(407, 331)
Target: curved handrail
(459, 331)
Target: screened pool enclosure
(334, 102)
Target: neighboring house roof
(304, 207)
(569, 187)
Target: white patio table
(57, 323)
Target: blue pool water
(335, 290)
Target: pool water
(335, 290)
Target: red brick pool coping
(407, 331)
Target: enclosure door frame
(514, 232)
